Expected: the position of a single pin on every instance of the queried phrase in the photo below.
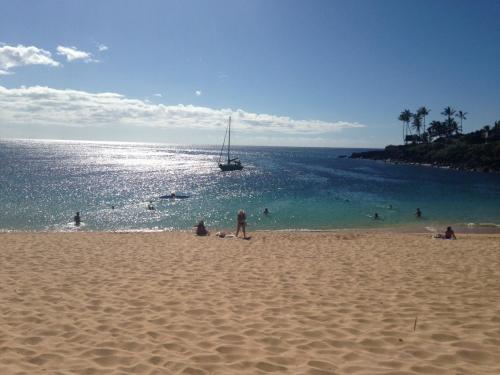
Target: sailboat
(232, 164)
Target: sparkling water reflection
(43, 183)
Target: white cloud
(72, 54)
(5, 72)
(15, 56)
(158, 95)
(197, 93)
(102, 47)
(47, 106)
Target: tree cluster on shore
(443, 143)
(414, 127)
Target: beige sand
(297, 303)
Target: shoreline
(450, 167)
(378, 155)
(479, 228)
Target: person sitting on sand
(449, 234)
(201, 230)
(242, 223)
(77, 219)
(418, 213)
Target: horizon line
(174, 144)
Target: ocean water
(43, 183)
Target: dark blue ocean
(43, 184)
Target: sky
(290, 73)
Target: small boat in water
(231, 164)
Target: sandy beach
(297, 303)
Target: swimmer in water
(77, 219)
(150, 205)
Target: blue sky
(307, 73)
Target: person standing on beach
(242, 223)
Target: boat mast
(229, 142)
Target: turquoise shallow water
(43, 184)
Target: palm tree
(405, 117)
(417, 123)
(461, 116)
(436, 129)
(402, 118)
(448, 112)
(423, 111)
